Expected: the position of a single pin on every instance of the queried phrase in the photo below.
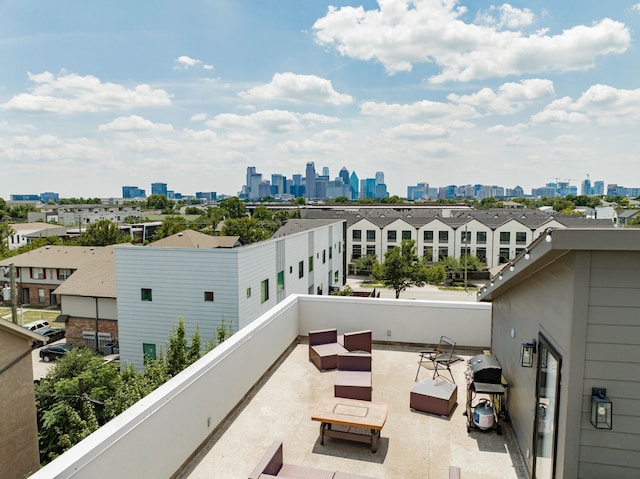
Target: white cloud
(401, 33)
(425, 109)
(134, 123)
(68, 93)
(636, 7)
(198, 117)
(509, 98)
(275, 121)
(413, 131)
(324, 142)
(604, 104)
(185, 62)
(294, 88)
(506, 17)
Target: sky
(97, 95)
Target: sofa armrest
(357, 341)
(323, 336)
(271, 462)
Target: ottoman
(434, 396)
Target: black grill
(486, 369)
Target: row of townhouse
(496, 237)
(70, 215)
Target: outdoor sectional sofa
(272, 465)
(325, 345)
(353, 378)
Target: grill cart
(486, 394)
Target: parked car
(36, 325)
(53, 334)
(48, 353)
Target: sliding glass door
(547, 400)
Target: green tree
(300, 201)
(436, 274)
(401, 269)
(170, 226)
(210, 218)
(103, 233)
(5, 231)
(262, 213)
(21, 212)
(177, 349)
(365, 263)
(394, 200)
(194, 352)
(248, 229)
(234, 207)
(366, 201)
(159, 202)
(192, 210)
(341, 200)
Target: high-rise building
(129, 192)
(49, 196)
(208, 196)
(297, 188)
(310, 180)
(354, 186)
(159, 189)
(344, 175)
(325, 171)
(379, 178)
(278, 184)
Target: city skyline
(441, 92)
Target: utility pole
(14, 293)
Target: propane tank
(483, 415)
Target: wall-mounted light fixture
(511, 267)
(526, 254)
(548, 237)
(527, 350)
(601, 409)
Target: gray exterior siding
(612, 361)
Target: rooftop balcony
(219, 416)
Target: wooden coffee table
(350, 419)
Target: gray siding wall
(178, 278)
(612, 361)
(541, 304)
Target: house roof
(293, 226)
(96, 278)
(195, 239)
(54, 256)
(556, 243)
(33, 227)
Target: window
(443, 253)
(406, 235)
(264, 291)
(521, 237)
(336, 277)
(356, 235)
(504, 255)
(248, 292)
(465, 251)
(390, 247)
(64, 273)
(339, 247)
(37, 273)
(481, 253)
(427, 252)
(505, 237)
(371, 235)
(427, 236)
(391, 236)
(290, 269)
(465, 237)
(330, 252)
(301, 269)
(281, 281)
(148, 352)
(145, 294)
(443, 236)
(481, 237)
(371, 249)
(310, 264)
(208, 296)
(40, 296)
(356, 252)
(324, 256)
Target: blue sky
(97, 95)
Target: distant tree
(366, 263)
(366, 201)
(21, 212)
(395, 199)
(345, 291)
(234, 207)
(35, 244)
(489, 203)
(223, 332)
(131, 219)
(158, 202)
(194, 352)
(436, 274)
(103, 233)
(300, 201)
(401, 269)
(170, 226)
(248, 229)
(5, 231)
(341, 200)
(210, 218)
(262, 213)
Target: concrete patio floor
(412, 444)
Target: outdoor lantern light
(526, 254)
(601, 409)
(527, 350)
